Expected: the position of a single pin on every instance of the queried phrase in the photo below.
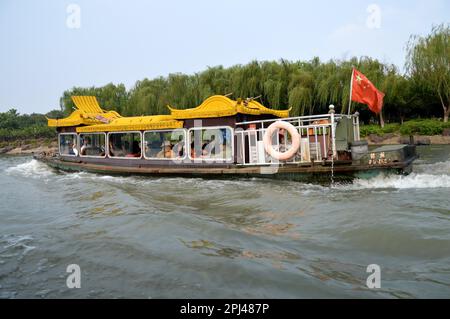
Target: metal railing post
(333, 139)
(358, 136)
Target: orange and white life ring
(267, 139)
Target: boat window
(125, 144)
(68, 144)
(211, 143)
(92, 144)
(167, 144)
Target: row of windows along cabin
(214, 143)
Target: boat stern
(399, 156)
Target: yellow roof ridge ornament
(221, 106)
(87, 104)
(87, 112)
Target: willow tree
(428, 63)
(301, 92)
(148, 97)
(309, 87)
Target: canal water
(136, 237)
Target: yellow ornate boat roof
(90, 117)
(88, 112)
(220, 106)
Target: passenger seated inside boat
(74, 150)
(112, 150)
(211, 148)
(93, 144)
(178, 148)
(199, 153)
(85, 146)
(192, 150)
(125, 145)
(135, 150)
(70, 149)
(166, 151)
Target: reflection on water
(189, 237)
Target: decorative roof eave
(78, 118)
(157, 122)
(221, 106)
(88, 112)
(255, 108)
(214, 106)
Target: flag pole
(351, 91)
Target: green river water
(136, 237)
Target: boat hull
(322, 172)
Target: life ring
(267, 139)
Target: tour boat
(220, 138)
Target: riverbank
(29, 146)
(395, 138)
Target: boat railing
(317, 132)
(355, 122)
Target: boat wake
(32, 168)
(435, 175)
(404, 182)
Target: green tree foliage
(308, 87)
(428, 64)
(26, 126)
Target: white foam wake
(435, 175)
(31, 168)
(403, 182)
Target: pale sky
(123, 41)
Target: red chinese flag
(363, 91)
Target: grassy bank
(34, 132)
(426, 127)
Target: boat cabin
(219, 132)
